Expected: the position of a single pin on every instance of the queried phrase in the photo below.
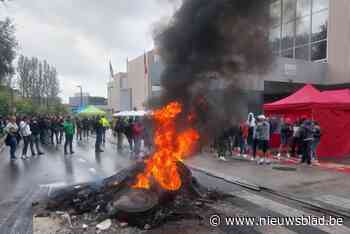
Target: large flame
(170, 146)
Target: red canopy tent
(342, 95)
(332, 111)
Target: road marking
(285, 210)
(335, 201)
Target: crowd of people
(298, 139)
(253, 137)
(35, 131)
(135, 130)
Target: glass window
(275, 11)
(319, 51)
(303, 8)
(302, 53)
(318, 5)
(319, 25)
(275, 38)
(288, 10)
(287, 53)
(302, 31)
(288, 35)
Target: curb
(258, 188)
(236, 181)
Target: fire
(170, 147)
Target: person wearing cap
(263, 136)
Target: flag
(111, 69)
(146, 65)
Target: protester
(69, 131)
(251, 123)
(105, 126)
(255, 140)
(79, 127)
(99, 134)
(11, 140)
(263, 137)
(85, 123)
(286, 134)
(26, 134)
(306, 137)
(35, 129)
(119, 128)
(129, 133)
(137, 132)
(148, 134)
(316, 140)
(54, 128)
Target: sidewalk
(318, 185)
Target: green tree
(8, 45)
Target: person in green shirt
(69, 131)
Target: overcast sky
(80, 36)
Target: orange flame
(170, 146)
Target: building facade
(144, 75)
(310, 41)
(119, 95)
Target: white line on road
(335, 201)
(286, 210)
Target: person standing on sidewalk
(306, 137)
(11, 138)
(263, 136)
(316, 141)
(35, 128)
(251, 123)
(99, 133)
(26, 133)
(69, 131)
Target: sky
(79, 37)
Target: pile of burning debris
(114, 200)
(145, 195)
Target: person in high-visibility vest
(105, 124)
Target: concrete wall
(125, 100)
(339, 42)
(297, 71)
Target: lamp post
(81, 95)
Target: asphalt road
(22, 181)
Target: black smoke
(210, 48)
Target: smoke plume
(210, 49)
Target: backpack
(8, 140)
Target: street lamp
(81, 95)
